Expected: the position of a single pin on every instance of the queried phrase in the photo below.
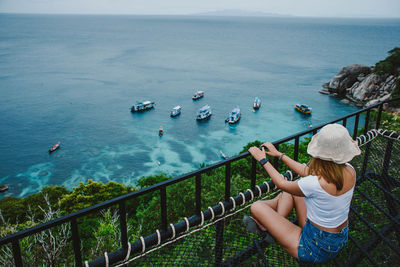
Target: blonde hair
(329, 170)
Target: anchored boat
(235, 116)
(142, 106)
(305, 109)
(204, 113)
(257, 103)
(223, 155)
(3, 188)
(198, 95)
(176, 111)
(54, 148)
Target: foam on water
(36, 176)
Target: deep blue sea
(74, 78)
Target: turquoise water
(74, 78)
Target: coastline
(364, 86)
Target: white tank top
(323, 208)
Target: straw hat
(333, 143)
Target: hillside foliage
(391, 64)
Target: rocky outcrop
(360, 85)
(347, 77)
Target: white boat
(142, 106)
(204, 113)
(257, 103)
(197, 95)
(235, 116)
(176, 111)
(223, 155)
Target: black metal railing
(116, 256)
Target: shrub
(92, 193)
(389, 65)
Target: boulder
(325, 92)
(346, 77)
(372, 102)
(363, 90)
(378, 100)
(359, 85)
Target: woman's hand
(272, 151)
(257, 153)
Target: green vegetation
(390, 122)
(389, 65)
(396, 91)
(84, 196)
(17, 210)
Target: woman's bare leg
(283, 203)
(279, 208)
(285, 232)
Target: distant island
(240, 13)
(365, 86)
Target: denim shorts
(317, 245)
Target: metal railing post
(76, 242)
(296, 148)
(366, 122)
(122, 224)
(227, 181)
(16, 249)
(367, 146)
(163, 199)
(365, 161)
(378, 120)
(219, 240)
(355, 130)
(253, 173)
(219, 231)
(198, 194)
(276, 160)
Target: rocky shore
(360, 85)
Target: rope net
(200, 248)
(374, 232)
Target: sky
(309, 8)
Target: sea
(73, 79)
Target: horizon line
(206, 14)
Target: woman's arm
(277, 178)
(300, 169)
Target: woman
(321, 198)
